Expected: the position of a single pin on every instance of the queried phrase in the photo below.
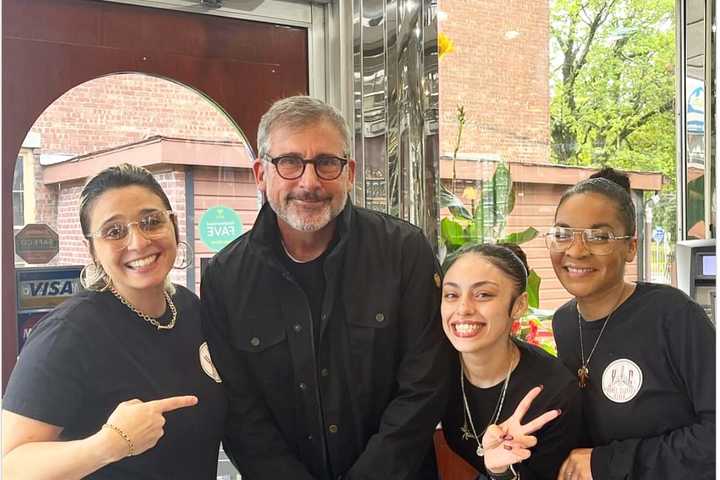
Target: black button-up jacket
(361, 404)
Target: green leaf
(479, 218)
(533, 289)
(502, 188)
(452, 233)
(520, 237)
(451, 201)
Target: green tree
(613, 83)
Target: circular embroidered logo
(622, 380)
(207, 364)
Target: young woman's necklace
(583, 372)
(146, 317)
(466, 433)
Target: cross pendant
(583, 376)
(466, 435)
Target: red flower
(532, 334)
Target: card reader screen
(709, 265)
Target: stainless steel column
(396, 109)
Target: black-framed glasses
(292, 167)
(596, 241)
(152, 225)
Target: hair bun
(616, 176)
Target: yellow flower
(470, 193)
(445, 45)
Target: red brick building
(499, 71)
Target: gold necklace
(493, 418)
(583, 372)
(148, 318)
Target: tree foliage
(613, 83)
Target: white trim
(280, 12)
(32, 140)
(317, 53)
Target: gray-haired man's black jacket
(360, 402)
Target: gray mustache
(308, 198)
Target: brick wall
(500, 72)
(124, 108)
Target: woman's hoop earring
(90, 276)
(184, 256)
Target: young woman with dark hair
(503, 382)
(644, 354)
(118, 366)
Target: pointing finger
(173, 403)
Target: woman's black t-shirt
(92, 352)
(555, 440)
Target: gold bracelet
(131, 447)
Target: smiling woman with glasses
(150, 224)
(118, 382)
(596, 240)
(644, 354)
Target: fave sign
(219, 226)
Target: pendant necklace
(466, 433)
(583, 372)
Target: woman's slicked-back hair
(613, 185)
(508, 257)
(298, 112)
(123, 175)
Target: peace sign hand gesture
(510, 442)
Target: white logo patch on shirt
(207, 363)
(622, 380)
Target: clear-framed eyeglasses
(292, 167)
(151, 225)
(596, 241)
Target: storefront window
(699, 129)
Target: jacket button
(333, 428)
(309, 437)
(380, 317)
(324, 372)
(255, 341)
(323, 316)
(297, 327)
(302, 386)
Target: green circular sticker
(219, 226)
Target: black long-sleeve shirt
(361, 397)
(650, 404)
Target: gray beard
(300, 224)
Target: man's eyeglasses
(292, 167)
(596, 241)
(151, 225)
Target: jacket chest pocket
(262, 339)
(373, 340)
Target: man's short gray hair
(298, 112)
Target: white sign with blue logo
(659, 234)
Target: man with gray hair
(323, 320)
